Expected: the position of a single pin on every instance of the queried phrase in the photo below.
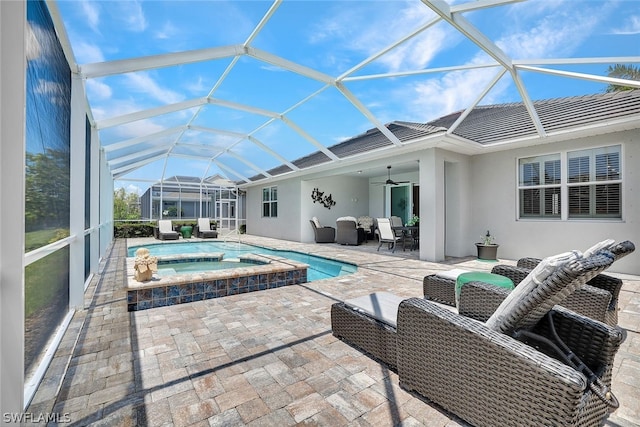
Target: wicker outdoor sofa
(490, 376)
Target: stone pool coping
(269, 271)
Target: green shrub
(133, 229)
(242, 229)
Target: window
(594, 183)
(539, 187)
(270, 202)
(591, 188)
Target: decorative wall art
(318, 196)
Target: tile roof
(488, 124)
(502, 122)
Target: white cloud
(555, 35)
(87, 53)
(98, 90)
(133, 16)
(168, 31)
(91, 12)
(630, 26)
(143, 83)
(548, 30)
(197, 86)
(369, 29)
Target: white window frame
(542, 186)
(270, 201)
(593, 182)
(564, 184)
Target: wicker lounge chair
(165, 230)
(579, 301)
(597, 299)
(322, 234)
(204, 229)
(487, 374)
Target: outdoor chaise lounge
(165, 230)
(322, 234)
(597, 299)
(496, 372)
(204, 230)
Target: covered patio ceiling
(238, 89)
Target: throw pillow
(521, 307)
(605, 244)
(316, 222)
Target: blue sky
(330, 37)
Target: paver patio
(265, 358)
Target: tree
(125, 205)
(47, 189)
(621, 71)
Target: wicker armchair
(348, 232)
(322, 234)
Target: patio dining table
(410, 231)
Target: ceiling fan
(389, 181)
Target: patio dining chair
(386, 234)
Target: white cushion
(348, 218)
(316, 221)
(365, 221)
(503, 318)
(598, 247)
(164, 225)
(204, 224)
(451, 274)
(379, 305)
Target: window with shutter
(595, 183)
(540, 195)
(592, 188)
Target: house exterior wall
(287, 224)
(351, 195)
(494, 205)
(461, 197)
(296, 208)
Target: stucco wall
(286, 224)
(296, 208)
(494, 205)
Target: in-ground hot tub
(170, 286)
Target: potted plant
(487, 248)
(413, 221)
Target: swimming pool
(319, 267)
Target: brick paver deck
(265, 358)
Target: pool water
(319, 267)
(199, 266)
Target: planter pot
(487, 252)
